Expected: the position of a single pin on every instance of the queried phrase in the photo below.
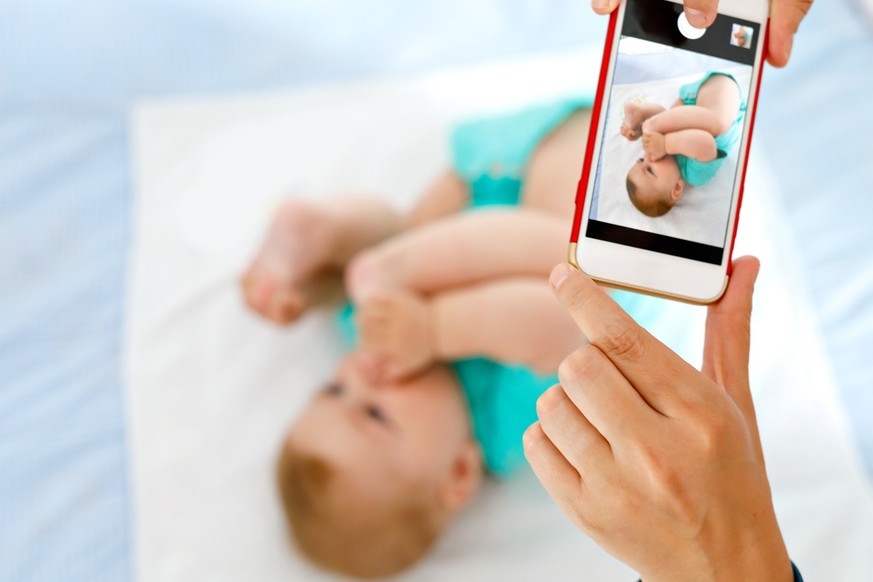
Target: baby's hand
(653, 145)
(396, 328)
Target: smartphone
(662, 180)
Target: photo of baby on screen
(685, 144)
(670, 143)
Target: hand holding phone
(658, 463)
(662, 181)
(786, 16)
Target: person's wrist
(756, 552)
(751, 550)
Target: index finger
(652, 368)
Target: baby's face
(657, 183)
(385, 435)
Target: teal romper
(697, 173)
(491, 155)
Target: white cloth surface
(211, 388)
(702, 212)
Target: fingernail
(558, 275)
(697, 18)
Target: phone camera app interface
(676, 113)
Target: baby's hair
(659, 207)
(341, 531)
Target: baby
(683, 145)
(742, 37)
(458, 336)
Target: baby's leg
(462, 250)
(512, 320)
(718, 102)
(307, 245)
(634, 116)
(301, 261)
(517, 320)
(447, 196)
(720, 95)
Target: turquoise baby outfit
(695, 172)
(491, 155)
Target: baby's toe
(286, 307)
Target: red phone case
(582, 188)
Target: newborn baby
(683, 145)
(454, 331)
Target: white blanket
(211, 388)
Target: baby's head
(654, 187)
(371, 473)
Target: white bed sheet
(702, 212)
(210, 387)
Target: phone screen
(676, 114)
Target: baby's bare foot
(288, 273)
(397, 330)
(634, 115)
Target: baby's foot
(288, 273)
(397, 330)
(634, 115)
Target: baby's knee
(370, 271)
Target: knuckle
(621, 340)
(716, 432)
(658, 470)
(533, 436)
(549, 401)
(580, 366)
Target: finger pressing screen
(654, 371)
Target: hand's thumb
(728, 327)
(701, 13)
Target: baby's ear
(678, 190)
(461, 483)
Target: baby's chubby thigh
(721, 95)
(555, 166)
